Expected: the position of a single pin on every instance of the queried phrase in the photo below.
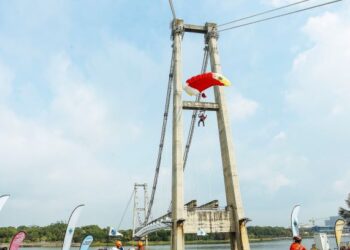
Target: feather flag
(294, 220)
(17, 240)
(338, 230)
(114, 232)
(3, 199)
(73, 219)
(85, 244)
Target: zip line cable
(126, 208)
(264, 12)
(162, 137)
(281, 15)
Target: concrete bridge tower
(238, 232)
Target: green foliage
(162, 235)
(257, 232)
(7, 233)
(55, 233)
(344, 212)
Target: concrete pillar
(177, 239)
(239, 239)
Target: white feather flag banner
(3, 199)
(73, 219)
(294, 220)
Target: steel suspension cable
(126, 208)
(162, 138)
(172, 8)
(264, 12)
(280, 15)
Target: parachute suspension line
(195, 112)
(162, 137)
(126, 209)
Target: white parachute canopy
(294, 220)
(73, 219)
(3, 199)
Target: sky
(82, 93)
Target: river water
(267, 245)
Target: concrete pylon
(177, 233)
(239, 238)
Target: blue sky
(82, 91)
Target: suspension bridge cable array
(126, 208)
(263, 13)
(280, 15)
(162, 137)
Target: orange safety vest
(296, 246)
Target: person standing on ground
(296, 245)
(119, 245)
(140, 245)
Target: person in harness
(296, 245)
(202, 118)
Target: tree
(344, 212)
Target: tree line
(55, 233)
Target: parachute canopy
(197, 84)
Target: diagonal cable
(162, 138)
(264, 12)
(126, 208)
(281, 15)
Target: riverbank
(58, 244)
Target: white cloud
(280, 136)
(6, 78)
(52, 152)
(275, 170)
(342, 185)
(277, 182)
(242, 108)
(268, 176)
(75, 108)
(320, 79)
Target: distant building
(331, 221)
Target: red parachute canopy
(199, 83)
